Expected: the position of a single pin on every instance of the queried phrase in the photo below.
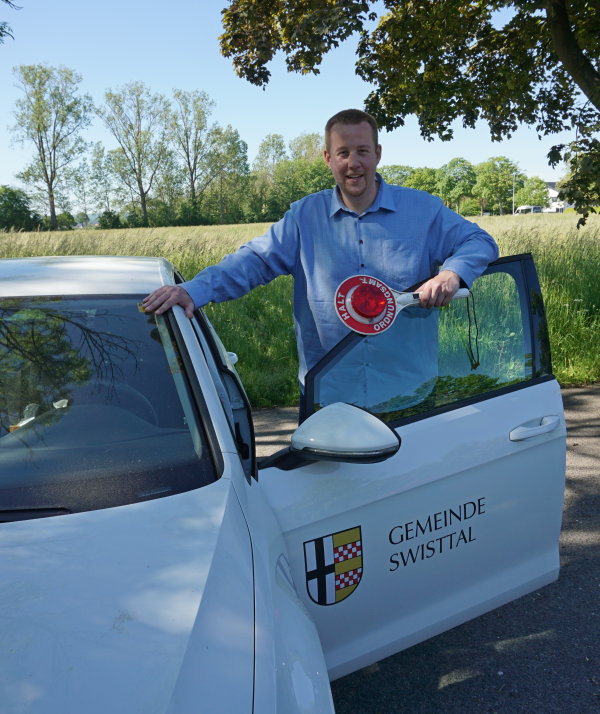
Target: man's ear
(378, 153)
(327, 157)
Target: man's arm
(255, 263)
(462, 249)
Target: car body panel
(506, 549)
(291, 674)
(83, 275)
(466, 514)
(99, 606)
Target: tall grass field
(258, 327)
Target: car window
(95, 408)
(431, 359)
(230, 390)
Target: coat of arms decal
(333, 566)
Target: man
(364, 225)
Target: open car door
(465, 515)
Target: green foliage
(15, 210)
(506, 63)
(455, 181)
(292, 180)
(64, 222)
(109, 219)
(51, 116)
(533, 192)
(396, 174)
(191, 135)
(5, 30)
(494, 186)
(581, 187)
(307, 147)
(138, 120)
(470, 207)
(423, 179)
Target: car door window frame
(535, 331)
(242, 432)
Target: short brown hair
(351, 116)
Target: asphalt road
(537, 655)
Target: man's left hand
(439, 290)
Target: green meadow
(258, 327)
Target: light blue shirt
(404, 237)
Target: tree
(307, 146)
(396, 173)
(534, 192)
(226, 170)
(82, 219)
(537, 63)
(51, 115)
(423, 179)
(102, 180)
(15, 210)
(581, 185)
(138, 120)
(293, 180)
(455, 181)
(109, 219)
(5, 30)
(190, 133)
(270, 152)
(494, 185)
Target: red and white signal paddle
(368, 306)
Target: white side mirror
(342, 432)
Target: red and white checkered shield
(334, 566)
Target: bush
(109, 219)
(15, 212)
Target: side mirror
(338, 432)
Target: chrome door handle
(546, 424)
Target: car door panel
(464, 517)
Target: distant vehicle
(528, 209)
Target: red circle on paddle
(365, 304)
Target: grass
(258, 327)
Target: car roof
(83, 275)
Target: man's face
(353, 157)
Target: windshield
(95, 409)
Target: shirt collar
(384, 199)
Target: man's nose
(354, 159)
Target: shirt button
(361, 241)
(362, 265)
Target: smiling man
(363, 225)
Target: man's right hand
(164, 298)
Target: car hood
(109, 610)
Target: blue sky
(175, 45)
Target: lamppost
(514, 173)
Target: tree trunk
(52, 206)
(569, 52)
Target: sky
(175, 46)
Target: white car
(150, 564)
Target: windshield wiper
(24, 514)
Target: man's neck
(361, 203)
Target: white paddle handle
(405, 299)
